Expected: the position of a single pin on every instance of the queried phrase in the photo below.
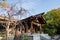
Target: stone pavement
(38, 37)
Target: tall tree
(4, 3)
(53, 21)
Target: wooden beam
(7, 19)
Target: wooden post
(32, 30)
(26, 28)
(40, 28)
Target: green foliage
(49, 29)
(25, 37)
(2, 35)
(53, 21)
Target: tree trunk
(7, 31)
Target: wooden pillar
(17, 34)
(26, 26)
(40, 28)
(32, 30)
(21, 26)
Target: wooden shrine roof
(38, 17)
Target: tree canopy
(53, 21)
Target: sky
(36, 6)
